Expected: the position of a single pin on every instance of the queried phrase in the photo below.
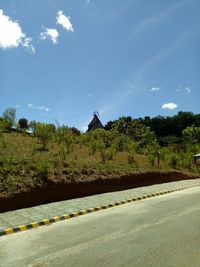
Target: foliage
(32, 125)
(192, 134)
(173, 161)
(131, 157)
(125, 146)
(44, 133)
(9, 116)
(75, 131)
(23, 124)
(171, 126)
(65, 139)
(3, 125)
(42, 168)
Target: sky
(64, 59)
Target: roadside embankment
(52, 192)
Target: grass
(23, 165)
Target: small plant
(173, 161)
(93, 147)
(103, 155)
(152, 160)
(43, 170)
(131, 157)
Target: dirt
(52, 192)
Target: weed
(42, 168)
(173, 161)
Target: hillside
(24, 165)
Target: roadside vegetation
(50, 154)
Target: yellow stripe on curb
(46, 221)
(91, 209)
(56, 218)
(34, 224)
(22, 227)
(66, 216)
(75, 214)
(83, 212)
(9, 231)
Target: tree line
(168, 129)
(185, 126)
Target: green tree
(33, 125)
(23, 124)
(44, 134)
(65, 139)
(192, 134)
(9, 116)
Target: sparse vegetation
(62, 154)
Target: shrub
(65, 139)
(131, 157)
(42, 168)
(33, 125)
(93, 147)
(152, 160)
(3, 126)
(173, 161)
(121, 142)
(44, 134)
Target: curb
(54, 219)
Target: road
(160, 231)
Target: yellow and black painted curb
(32, 225)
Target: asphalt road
(160, 231)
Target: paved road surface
(160, 231)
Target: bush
(173, 161)
(131, 157)
(65, 139)
(152, 160)
(42, 168)
(33, 125)
(44, 134)
(106, 154)
(121, 142)
(3, 126)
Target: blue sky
(65, 59)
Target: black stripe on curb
(33, 225)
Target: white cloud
(154, 89)
(41, 108)
(185, 89)
(51, 34)
(188, 90)
(64, 21)
(169, 106)
(11, 34)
